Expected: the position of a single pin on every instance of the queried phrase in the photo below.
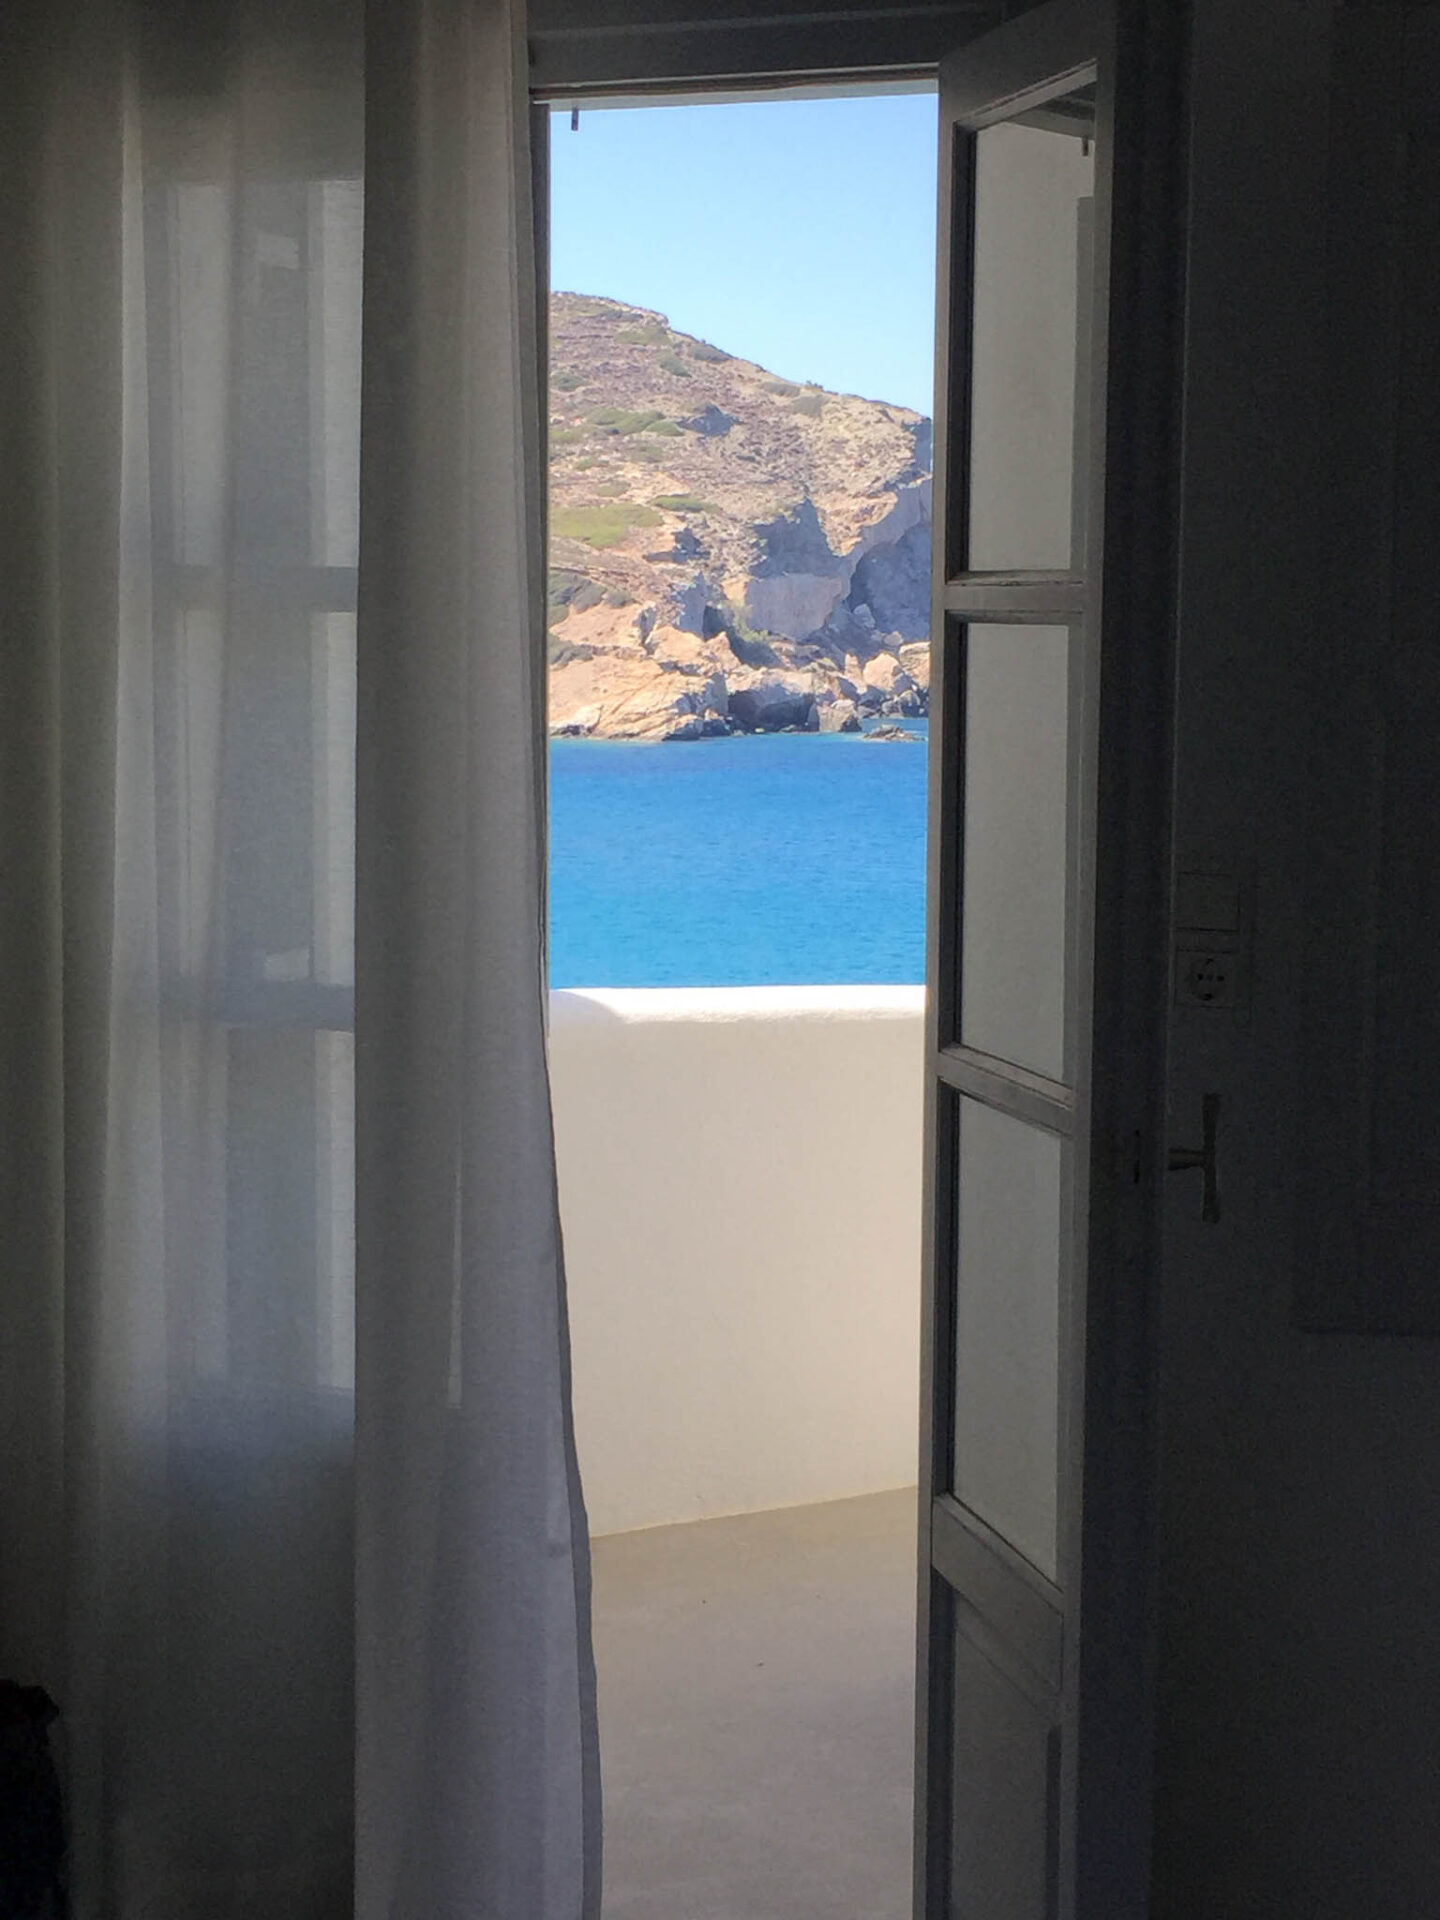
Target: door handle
(1203, 1157)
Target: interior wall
(1300, 1582)
(740, 1196)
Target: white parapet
(740, 1176)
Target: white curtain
(318, 1650)
(477, 1770)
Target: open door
(1047, 987)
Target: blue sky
(799, 234)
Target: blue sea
(761, 859)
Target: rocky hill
(728, 551)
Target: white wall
(740, 1193)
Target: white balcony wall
(740, 1193)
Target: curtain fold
(195, 1559)
(478, 1781)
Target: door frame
(1141, 112)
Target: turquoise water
(780, 859)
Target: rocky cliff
(728, 551)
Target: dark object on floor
(32, 1821)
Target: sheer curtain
(316, 1653)
(478, 1777)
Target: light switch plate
(1212, 939)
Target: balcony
(740, 1178)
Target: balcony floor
(756, 1707)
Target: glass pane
(333, 245)
(1006, 1460)
(1016, 841)
(200, 306)
(332, 777)
(1033, 190)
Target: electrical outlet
(1206, 977)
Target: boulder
(625, 695)
(884, 674)
(577, 723)
(838, 716)
(712, 421)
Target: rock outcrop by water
(729, 551)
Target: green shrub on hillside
(652, 334)
(567, 380)
(681, 503)
(702, 350)
(605, 524)
(807, 403)
(672, 363)
(566, 436)
(782, 387)
(621, 420)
